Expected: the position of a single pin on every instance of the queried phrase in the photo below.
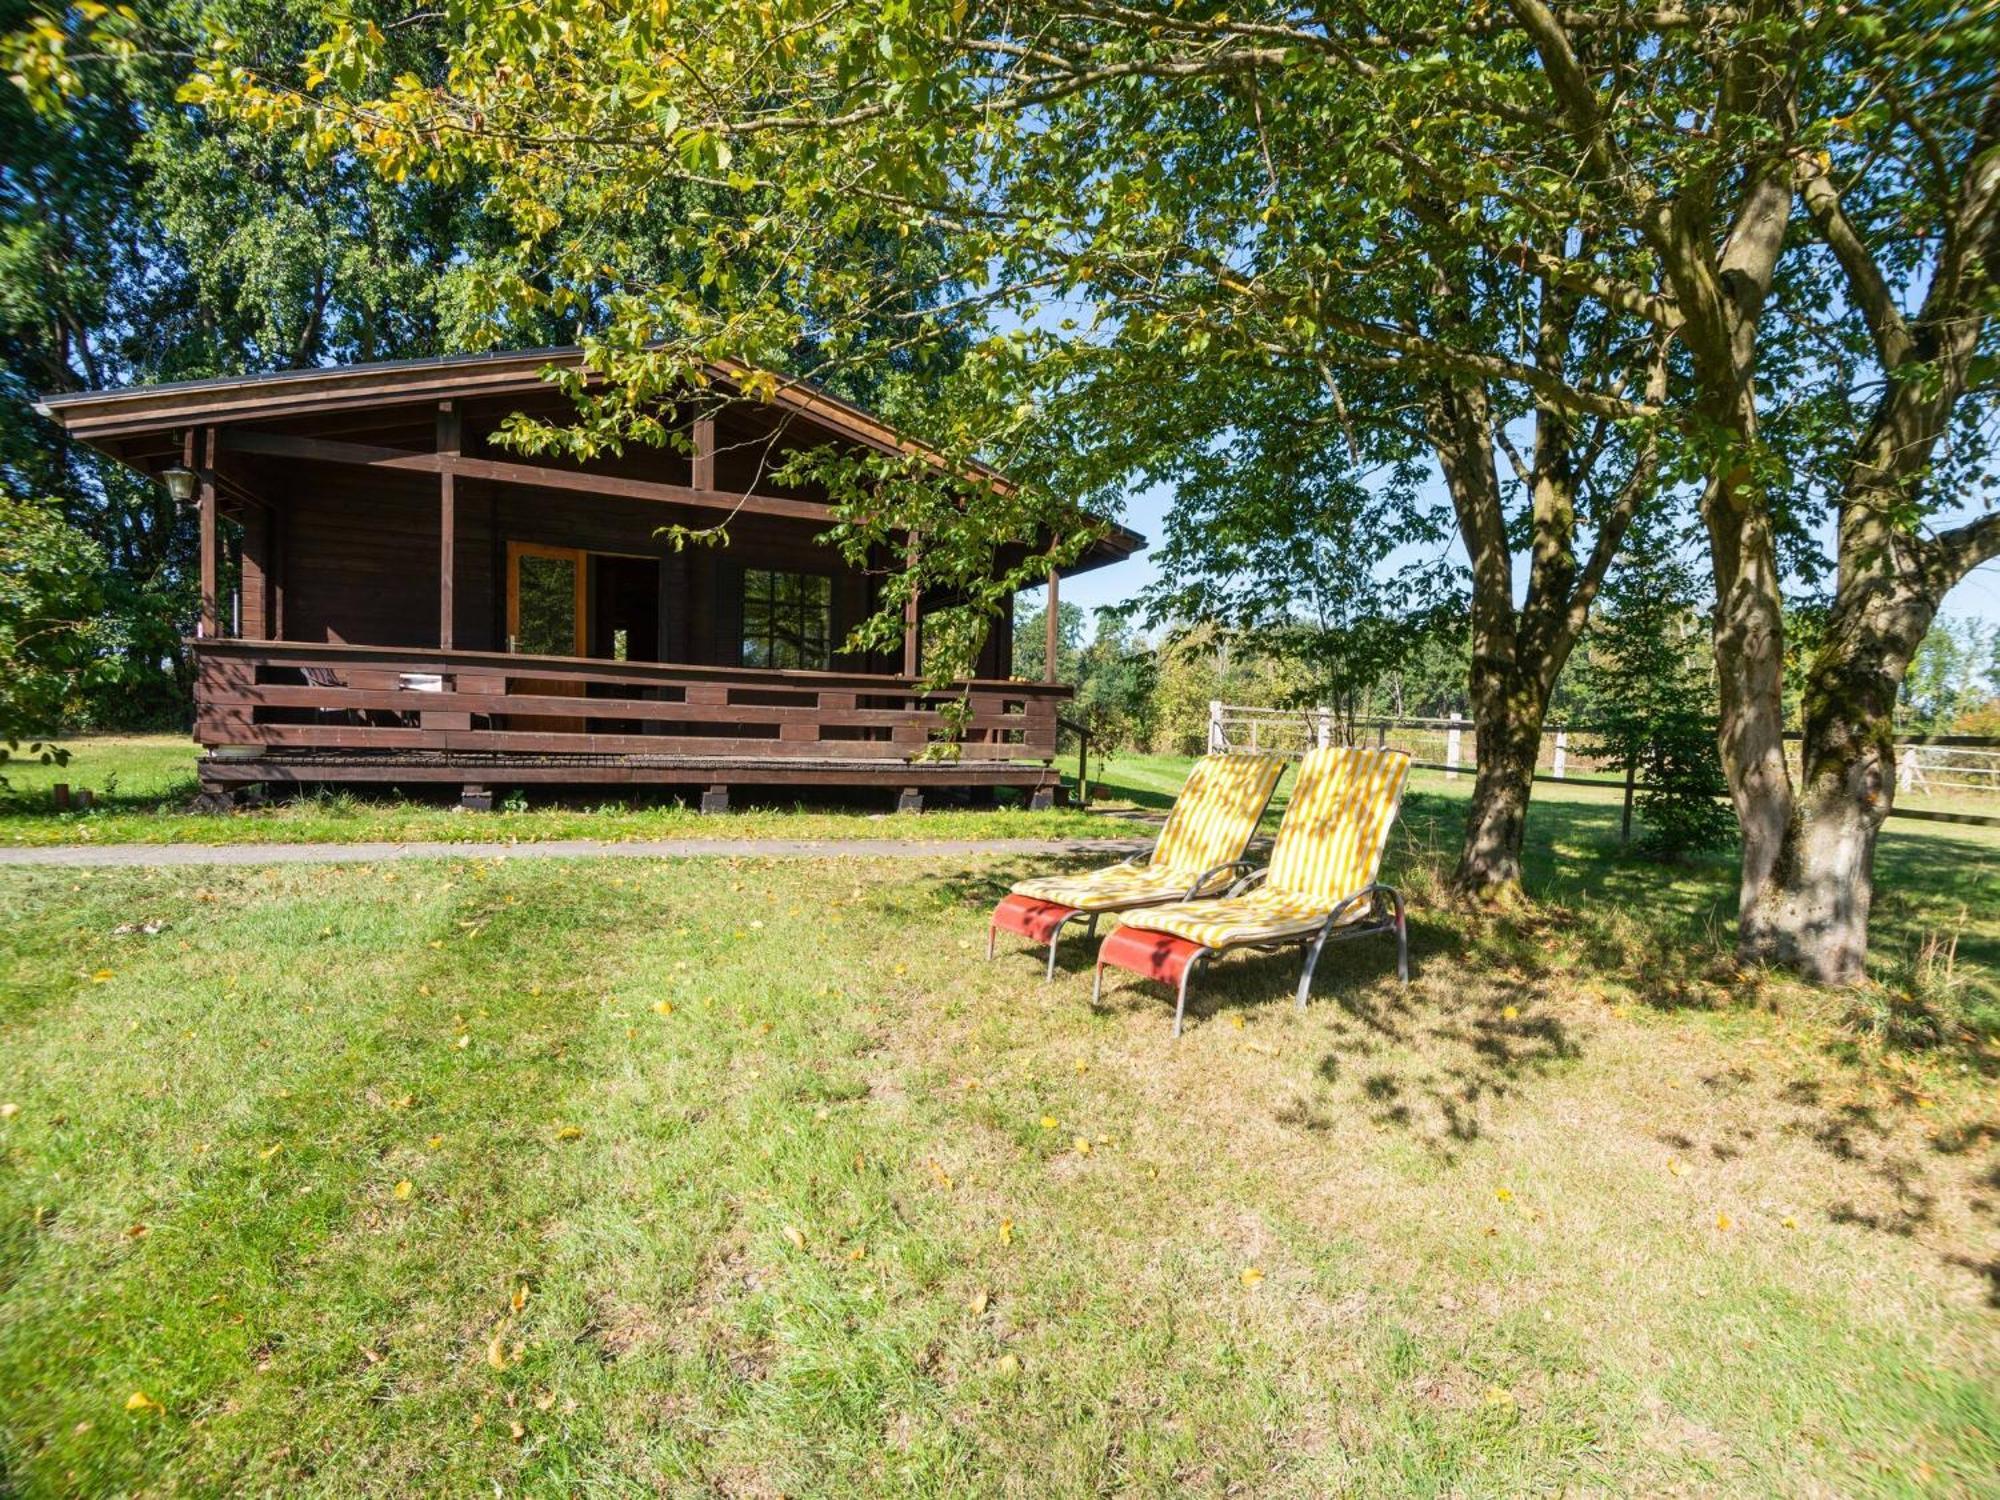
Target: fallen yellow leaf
(1082, 1146)
(1510, 1012)
(462, 1043)
(570, 1133)
(1251, 1276)
(404, 1188)
(140, 1401)
(1790, 1222)
(1722, 1221)
(1006, 1231)
(795, 1236)
(270, 1151)
(516, 1431)
(1237, 1022)
(1505, 1195)
(1675, 1166)
(102, 976)
(1049, 1122)
(496, 1348)
(977, 1306)
(9, 1110)
(664, 1007)
(520, 1298)
(434, 1142)
(1007, 1366)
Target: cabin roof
(107, 419)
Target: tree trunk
(1811, 913)
(1509, 737)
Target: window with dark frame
(787, 620)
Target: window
(787, 619)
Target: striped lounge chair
(1196, 854)
(1319, 885)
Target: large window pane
(787, 619)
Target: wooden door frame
(580, 642)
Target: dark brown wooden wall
(361, 553)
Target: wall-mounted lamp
(180, 484)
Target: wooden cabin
(389, 597)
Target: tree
(1031, 641)
(1948, 674)
(56, 638)
(1748, 245)
(1652, 698)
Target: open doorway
(624, 607)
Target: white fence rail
(1948, 766)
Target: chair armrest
(1201, 881)
(1372, 894)
(1138, 861)
(1249, 882)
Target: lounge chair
(1320, 884)
(1196, 854)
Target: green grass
(1576, 1211)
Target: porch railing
(297, 696)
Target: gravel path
(127, 856)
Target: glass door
(546, 616)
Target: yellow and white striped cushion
(1330, 843)
(1259, 917)
(1210, 825)
(1329, 847)
(1216, 812)
(1108, 890)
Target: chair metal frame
(1137, 861)
(1386, 914)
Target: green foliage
(1654, 699)
(1952, 674)
(57, 640)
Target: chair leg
(1402, 940)
(1180, 1000)
(1054, 938)
(1097, 987)
(1312, 962)
(992, 932)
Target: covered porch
(389, 595)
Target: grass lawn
(143, 785)
(750, 1178)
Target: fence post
(1322, 727)
(1381, 734)
(1451, 751)
(1562, 752)
(1631, 780)
(1215, 725)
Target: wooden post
(1631, 781)
(278, 530)
(1452, 745)
(207, 627)
(1562, 752)
(1054, 630)
(912, 619)
(1215, 745)
(448, 435)
(703, 476)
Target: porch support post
(912, 620)
(1054, 624)
(447, 447)
(204, 467)
(703, 476)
